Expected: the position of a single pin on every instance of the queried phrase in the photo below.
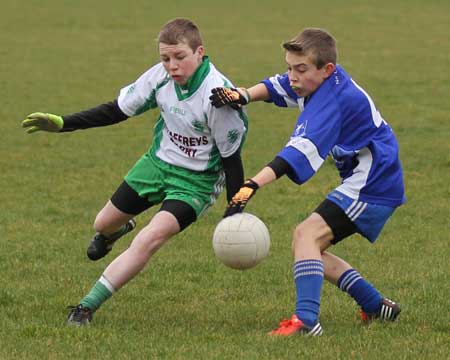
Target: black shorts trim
(129, 201)
(126, 199)
(184, 213)
(336, 219)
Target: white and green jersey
(190, 132)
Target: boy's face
(303, 74)
(180, 61)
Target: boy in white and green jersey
(189, 133)
(194, 154)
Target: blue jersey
(341, 119)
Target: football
(241, 241)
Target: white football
(241, 241)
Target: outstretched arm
(236, 97)
(264, 177)
(258, 92)
(275, 169)
(102, 115)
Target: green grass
(64, 56)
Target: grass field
(64, 56)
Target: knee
(101, 223)
(305, 238)
(149, 241)
(301, 235)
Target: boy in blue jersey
(339, 118)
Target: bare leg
(311, 238)
(110, 219)
(127, 265)
(334, 267)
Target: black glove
(241, 198)
(229, 96)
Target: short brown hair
(317, 42)
(180, 30)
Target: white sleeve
(140, 96)
(228, 128)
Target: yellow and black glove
(234, 97)
(43, 122)
(241, 198)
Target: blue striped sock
(361, 290)
(308, 277)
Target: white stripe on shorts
(355, 209)
(354, 217)
(350, 208)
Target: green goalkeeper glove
(43, 122)
(234, 97)
(241, 198)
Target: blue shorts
(368, 218)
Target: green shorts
(157, 181)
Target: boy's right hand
(235, 97)
(241, 198)
(43, 122)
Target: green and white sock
(101, 292)
(121, 232)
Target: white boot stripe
(389, 313)
(316, 330)
(386, 312)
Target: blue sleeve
(280, 91)
(316, 132)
